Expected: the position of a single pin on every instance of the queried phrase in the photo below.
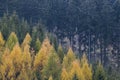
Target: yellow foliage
(16, 53)
(50, 78)
(84, 59)
(65, 75)
(17, 63)
(16, 57)
(7, 71)
(6, 67)
(68, 59)
(52, 66)
(87, 70)
(76, 70)
(2, 42)
(26, 57)
(71, 54)
(26, 40)
(23, 75)
(5, 55)
(42, 56)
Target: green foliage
(53, 40)
(41, 57)
(60, 53)
(113, 74)
(11, 41)
(37, 45)
(68, 59)
(52, 67)
(2, 41)
(100, 73)
(38, 32)
(12, 23)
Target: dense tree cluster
(12, 23)
(96, 23)
(23, 56)
(38, 58)
(20, 62)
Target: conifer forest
(59, 39)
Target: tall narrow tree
(11, 41)
(87, 70)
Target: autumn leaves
(75, 69)
(15, 61)
(18, 62)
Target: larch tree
(37, 45)
(6, 65)
(100, 73)
(16, 58)
(4, 26)
(27, 56)
(64, 75)
(68, 59)
(76, 72)
(52, 66)
(27, 63)
(26, 59)
(42, 56)
(23, 75)
(50, 78)
(27, 40)
(87, 70)
(11, 63)
(11, 41)
(2, 42)
(60, 53)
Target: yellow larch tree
(26, 56)
(42, 55)
(26, 64)
(2, 42)
(11, 63)
(68, 59)
(64, 75)
(87, 69)
(50, 78)
(26, 59)
(52, 66)
(27, 40)
(6, 65)
(76, 71)
(16, 58)
(23, 75)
